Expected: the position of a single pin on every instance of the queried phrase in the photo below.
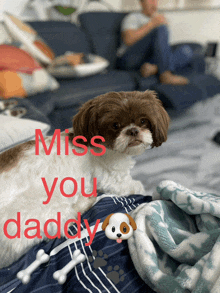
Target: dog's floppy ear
(106, 222)
(160, 123)
(132, 222)
(158, 117)
(160, 128)
(84, 121)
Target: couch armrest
(196, 47)
(197, 64)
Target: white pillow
(5, 37)
(95, 65)
(14, 131)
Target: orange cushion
(11, 85)
(13, 58)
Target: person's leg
(161, 49)
(154, 46)
(137, 54)
(162, 54)
(164, 57)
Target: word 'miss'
(38, 229)
(57, 135)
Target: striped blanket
(108, 267)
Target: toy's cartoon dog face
(119, 226)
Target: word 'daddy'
(35, 232)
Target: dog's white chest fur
(22, 190)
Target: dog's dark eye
(144, 122)
(124, 229)
(113, 229)
(116, 125)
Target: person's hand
(158, 19)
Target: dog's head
(119, 226)
(130, 122)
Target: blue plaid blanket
(108, 266)
(176, 247)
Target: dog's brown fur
(98, 116)
(11, 157)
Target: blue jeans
(154, 48)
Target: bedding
(189, 156)
(107, 268)
(177, 244)
(191, 161)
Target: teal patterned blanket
(176, 247)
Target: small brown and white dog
(130, 123)
(119, 226)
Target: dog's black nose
(132, 131)
(118, 235)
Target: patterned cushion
(29, 38)
(77, 65)
(21, 75)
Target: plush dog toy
(119, 226)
